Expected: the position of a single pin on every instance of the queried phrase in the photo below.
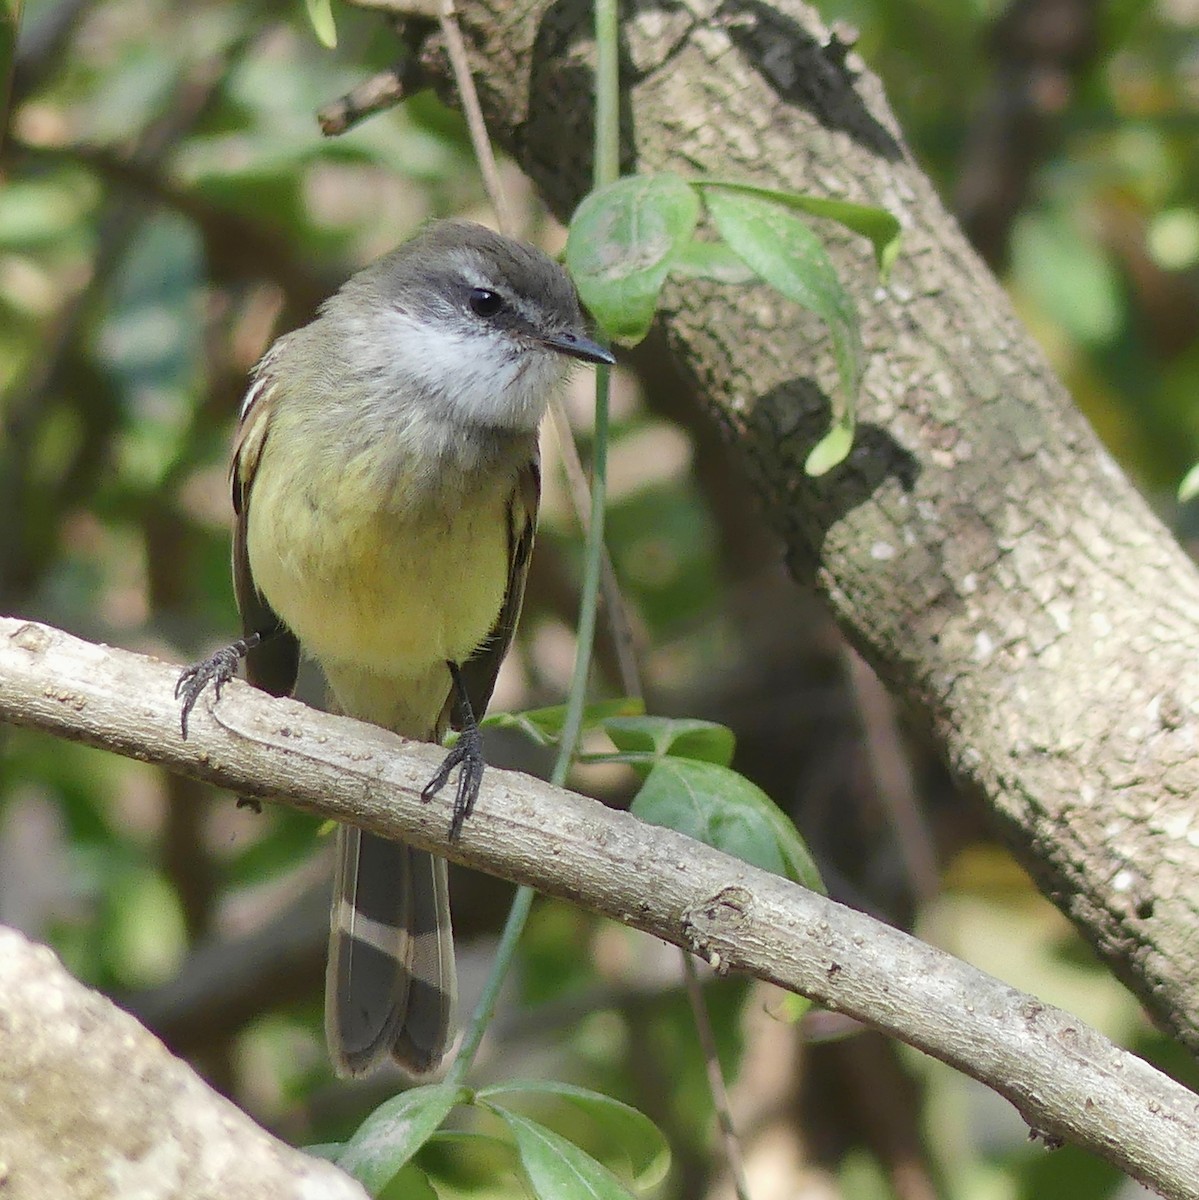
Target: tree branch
(1066, 1079)
(93, 1105)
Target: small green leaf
(791, 1008)
(712, 260)
(874, 223)
(411, 1183)
(557, 1169)
(829, 451)
(320, 15)
(790, 257)
(725, 810)
(676, 737)
(395, 1131)
(622, 243)
(640, 1140)
(1188, 489)
(544, 725)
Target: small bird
(386, 484)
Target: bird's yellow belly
(369, 588)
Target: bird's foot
(216, 669)
(467, 755)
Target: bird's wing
(479, 672)
(274, 663)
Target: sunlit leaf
(678, 737)
(712, 260)
(1188, 489)
(320, 15)
(641, 1141)
(790, 257)
(725, 810)
(395, 1131)
(622, 243)
(557, 1169)
(544, 725)
(874, 223)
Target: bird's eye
(484, 302)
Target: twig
(1066, 1079)
(388, 88)
(456, 48)
(616, 611)
(892, 776)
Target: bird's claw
(216, 669)
(467, 755)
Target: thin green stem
(607, 170)
(514, 926)
(607, 93)
(572, 723)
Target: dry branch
(1066, 1079)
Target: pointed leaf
(623, 240)
(1188, 489)
(544, 725)
(791, 258)
(874, 223)
(723, 809)
(712, 260)
(557, 1169)
(641, 1141)
(320, 16)
(411, 1183)
(395, 1131)
(677, 737)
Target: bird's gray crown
(434, 275)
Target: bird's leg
(216, 669)
(467, 754)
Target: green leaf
(640, 1140)
(1188, 489)
(830, 450)
(320, 15)
(329, 1151)
(411, 1183)
(544, 725)
(874, 223)
(395, 1131)
(712, 260)
(623, 241)
(676, 737)
(790, 257)
(557, 1169)
(717, 806)
(791, 1008)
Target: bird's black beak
(575, 346)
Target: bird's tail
(390, 985)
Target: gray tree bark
(979, 547)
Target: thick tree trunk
(979, 547)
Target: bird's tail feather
(391, 981)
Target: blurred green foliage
(167, 205)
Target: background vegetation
(167, 204)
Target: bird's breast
(372, 574)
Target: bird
(386, 482)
